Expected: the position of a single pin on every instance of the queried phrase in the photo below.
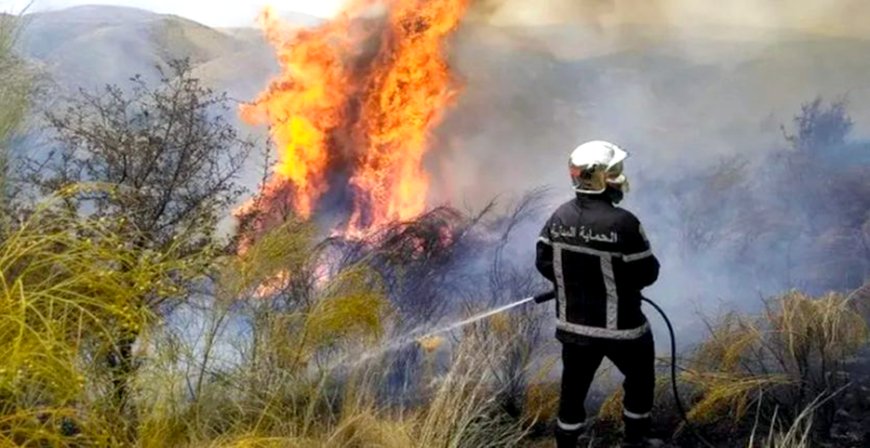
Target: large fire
(342, 113)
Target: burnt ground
(852, 422)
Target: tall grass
(794, 353)
(241, 368)
(15, 89)
(272, 368)
(67, 293)
(781, 373)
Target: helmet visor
(616, 178)
(615, 171)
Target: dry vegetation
(792, 358)
(114, 334)
(278, 385)
(65, 303)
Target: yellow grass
(794, 348)
(71, 286)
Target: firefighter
(598, 257)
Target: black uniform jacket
(599, 259)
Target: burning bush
(349, 119)
(305, 375)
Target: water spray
(432, 340)
(484, 315)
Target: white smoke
(829, 17)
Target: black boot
(567, 439)
(636, 432)
(644, 442)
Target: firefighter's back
(600, 261)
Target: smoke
(682, 83)
(697, 92)
(575, 29)
(549, 12)
(692, 90)
(829, 17)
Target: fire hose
(546, 297)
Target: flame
(337, 109)
(302, 106)
(404, 100)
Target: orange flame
(302, 106)
(331, 107)
(405, 99)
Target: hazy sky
(831, 17)
(834, 17)
(209, 12)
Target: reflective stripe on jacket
(599, 259)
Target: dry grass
(276, 354)
(259, 370)
(784, 366)
(793, 354)
(68, 289)
(301, 374)
(290, 364)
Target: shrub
(795, 352)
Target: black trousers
(634, 358)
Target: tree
(158, 163)
(818, 128)
(167, 155)
(823, 180)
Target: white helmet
(595, 164)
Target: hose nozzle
(545, 297)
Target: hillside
(94, 45)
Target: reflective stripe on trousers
(634, 358)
